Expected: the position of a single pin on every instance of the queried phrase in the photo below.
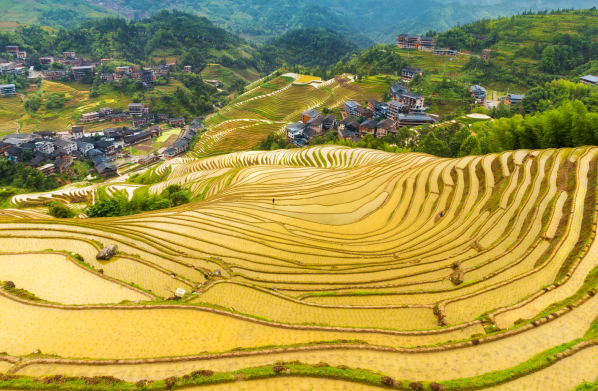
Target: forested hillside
(261, 20)
(309, 47)
(555, 42)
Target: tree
(27, 155)
(179, 198)
(470, 146)
(106, 208)
(32, 103)
(434, 146)
(548, 59)
(59, 210)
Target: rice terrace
(204, 211)
(322, 263)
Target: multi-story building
(46, 60)
(67, 145)
(368, 126)
(77, 132)
(105, 60)
(8, 68)
(11, 49)
(445, 52)
(308, 115)
(177, 121)
(138, 122)
(162, 117)
(84, 147)
(385, 127)
(106, 111)
(176, 148)
(410, 72)
(378, 108)
(147, 78)
(138, 108)
(397, 90)
(68, 54)
(395, 108)
(362, 112)
(8, 90)
(45, 146)
(427, 44)
(21, 54)
(90, 117)
(412, 99)
(513, 99)
(478, 92)
(51, 74)
(407, 41)
(118, 117)
(350, 106)
(81, 72)
(187, 68)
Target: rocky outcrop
(107, 252)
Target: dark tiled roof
(370, 123)
(412, 69)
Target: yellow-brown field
(472, 273)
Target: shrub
(170, 382)
(107, 208)
(436, 386)
(59, 210)
(204, 373)
(278, 368)
(416, 386)
(108, 380)
(387, 380)
(321, 365)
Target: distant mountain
(365, 22)
(444, 17)
(260, 20)
(309, 47)
(53, 13)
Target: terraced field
(269, 106)
(324, 267)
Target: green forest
(309, 47)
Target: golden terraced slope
(469, 273)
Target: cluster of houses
(53, 152)
(426, 44)
(138, 113)
(479, 93)
(81, 68)
(405, 109)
